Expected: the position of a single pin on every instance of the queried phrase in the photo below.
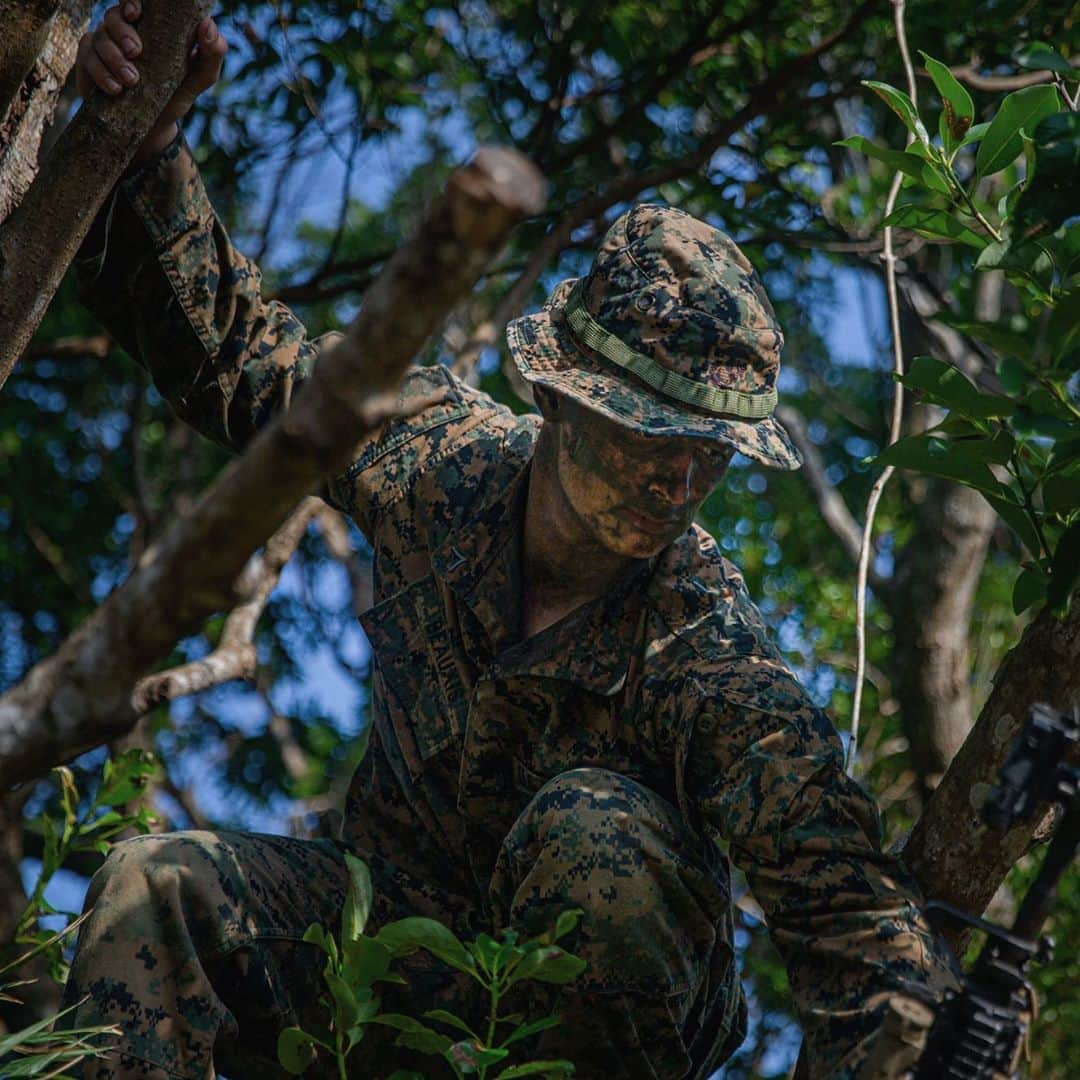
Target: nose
(673, 478)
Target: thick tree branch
(24, 124)
(81, 696)
(40, 237)
(235, 656)
(26, 29)
(952, 853)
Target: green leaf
(346, 1006)
(469, 1056)
(407, 935)
(486, 949)
(452, 1020)
(534, 1068)
(1030, 589)
(1061, 492)
(316, 935)
(1020, 111)
(358, 900)
(951, 459)
(567, 921)
(1050, 198)
(946, 385)
(1038, 56)
(125, 776)
(414, 1035)
(975, 134)
(523, 1031)
(549, 964)
(900, 104)
(1064, 571)
(366, 961)
(935, 224)
(898, 160)
(295, 1050)
(1015, 516)
(958, 110)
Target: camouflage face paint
(633, 494)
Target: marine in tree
(575, 701)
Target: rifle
(978, 1032)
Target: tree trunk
(22, 128)
(41, 235)
(934, 588)
(81, 696)
(954, 856)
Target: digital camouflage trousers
(193, 945)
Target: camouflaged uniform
(601, 763)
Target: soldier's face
(633, 494)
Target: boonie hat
(671, 333)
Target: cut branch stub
(41, 236)
(81, 696)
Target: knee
(598, 808)
(178, 871)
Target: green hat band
(669, 383)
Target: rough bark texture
(41, 235)
(22, 126)
(954, 856)
(26, 28)
(81, 696)
(931, 603)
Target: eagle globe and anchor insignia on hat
(671, 333)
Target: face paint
(633, 494)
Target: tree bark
(41, 235)
(26, 28)
(81, 696)
(953, 855)
(23, 124)
(936, 576)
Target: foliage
(357, 962)
(336, 120)
(39, 1050)
(1029, 432)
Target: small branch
(889, 259)
(74, 347)
(1000, 83)
(235, 656)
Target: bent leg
(193, 948)
(660, 997)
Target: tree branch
(235, 656)
(81, 696)
(26, 29)
(23, 127)
(40, 237)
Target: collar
(480, 562)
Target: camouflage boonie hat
(671, 333)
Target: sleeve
(160, 272)
(765, 774)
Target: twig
(235, 657)
(888, 257)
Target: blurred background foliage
(333, 125)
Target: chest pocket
(415, 653)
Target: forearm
(161, 274)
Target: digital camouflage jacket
(670, 679)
